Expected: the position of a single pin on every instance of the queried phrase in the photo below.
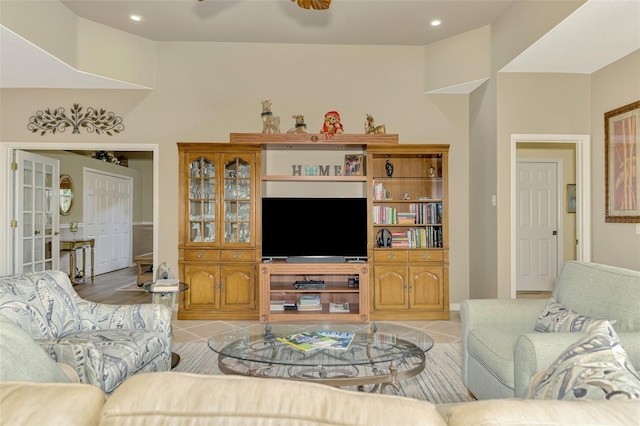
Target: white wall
(612, 87)
(204, 91)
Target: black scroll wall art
(93, 120)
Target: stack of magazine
(309, 302)
(167, 284)
(329, 339)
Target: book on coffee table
(343, 338)
(307, 341)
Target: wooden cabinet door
(204, 287)
(426, 287)
(238, 287)
(390, 287)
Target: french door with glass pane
(36, 220)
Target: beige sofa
(170, 398)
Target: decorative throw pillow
(556, 317)
(23, 360)
(595, 367)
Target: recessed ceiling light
(136, 18)
(436, 22)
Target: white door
(36, 240)
(108, 218)
(536, 225)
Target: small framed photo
(571, 198)
(353, 165)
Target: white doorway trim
(6, 155)
(583, 193)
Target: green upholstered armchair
(501, 351)
(104, 344)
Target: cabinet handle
(201, 255)
(391, 256)
(426, 256)
(237, 255)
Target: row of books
(330, 339)
(419, 213)
(379, 192)
(427, 213)
(427, 237)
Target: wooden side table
(144, 260)
(71, 247)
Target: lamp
(73, 228)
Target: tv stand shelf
(277, 279)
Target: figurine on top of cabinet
(300, 126)
(332, 125)
(270, 122)
(371, 128)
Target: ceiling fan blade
(314, 4)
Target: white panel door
(108, 218)
(536, 225)
(36, 239)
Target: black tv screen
(312, 227)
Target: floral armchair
(104, 344)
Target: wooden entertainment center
(221, 185)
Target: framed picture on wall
(353, 165)
(571, 198)
(622, 169)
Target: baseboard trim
(454, 307)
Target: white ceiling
(374, 22)
(596, 34)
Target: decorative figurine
(432, 172)
(300, 127)
(332, 125)
(371, 128)
(406, 196)
(270, 122)
(389, 167)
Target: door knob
(555, 232)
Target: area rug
(130, 287)
(439, 383)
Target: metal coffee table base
(360, 376)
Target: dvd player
(309, 285)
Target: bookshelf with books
(406, 191)
(408, 238)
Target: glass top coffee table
(379, 355)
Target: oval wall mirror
(66, 194)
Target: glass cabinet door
(237, 200)
(202, 200)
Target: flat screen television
(314, 229)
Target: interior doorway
(538, 227)
(6, 154)
(583, 191)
